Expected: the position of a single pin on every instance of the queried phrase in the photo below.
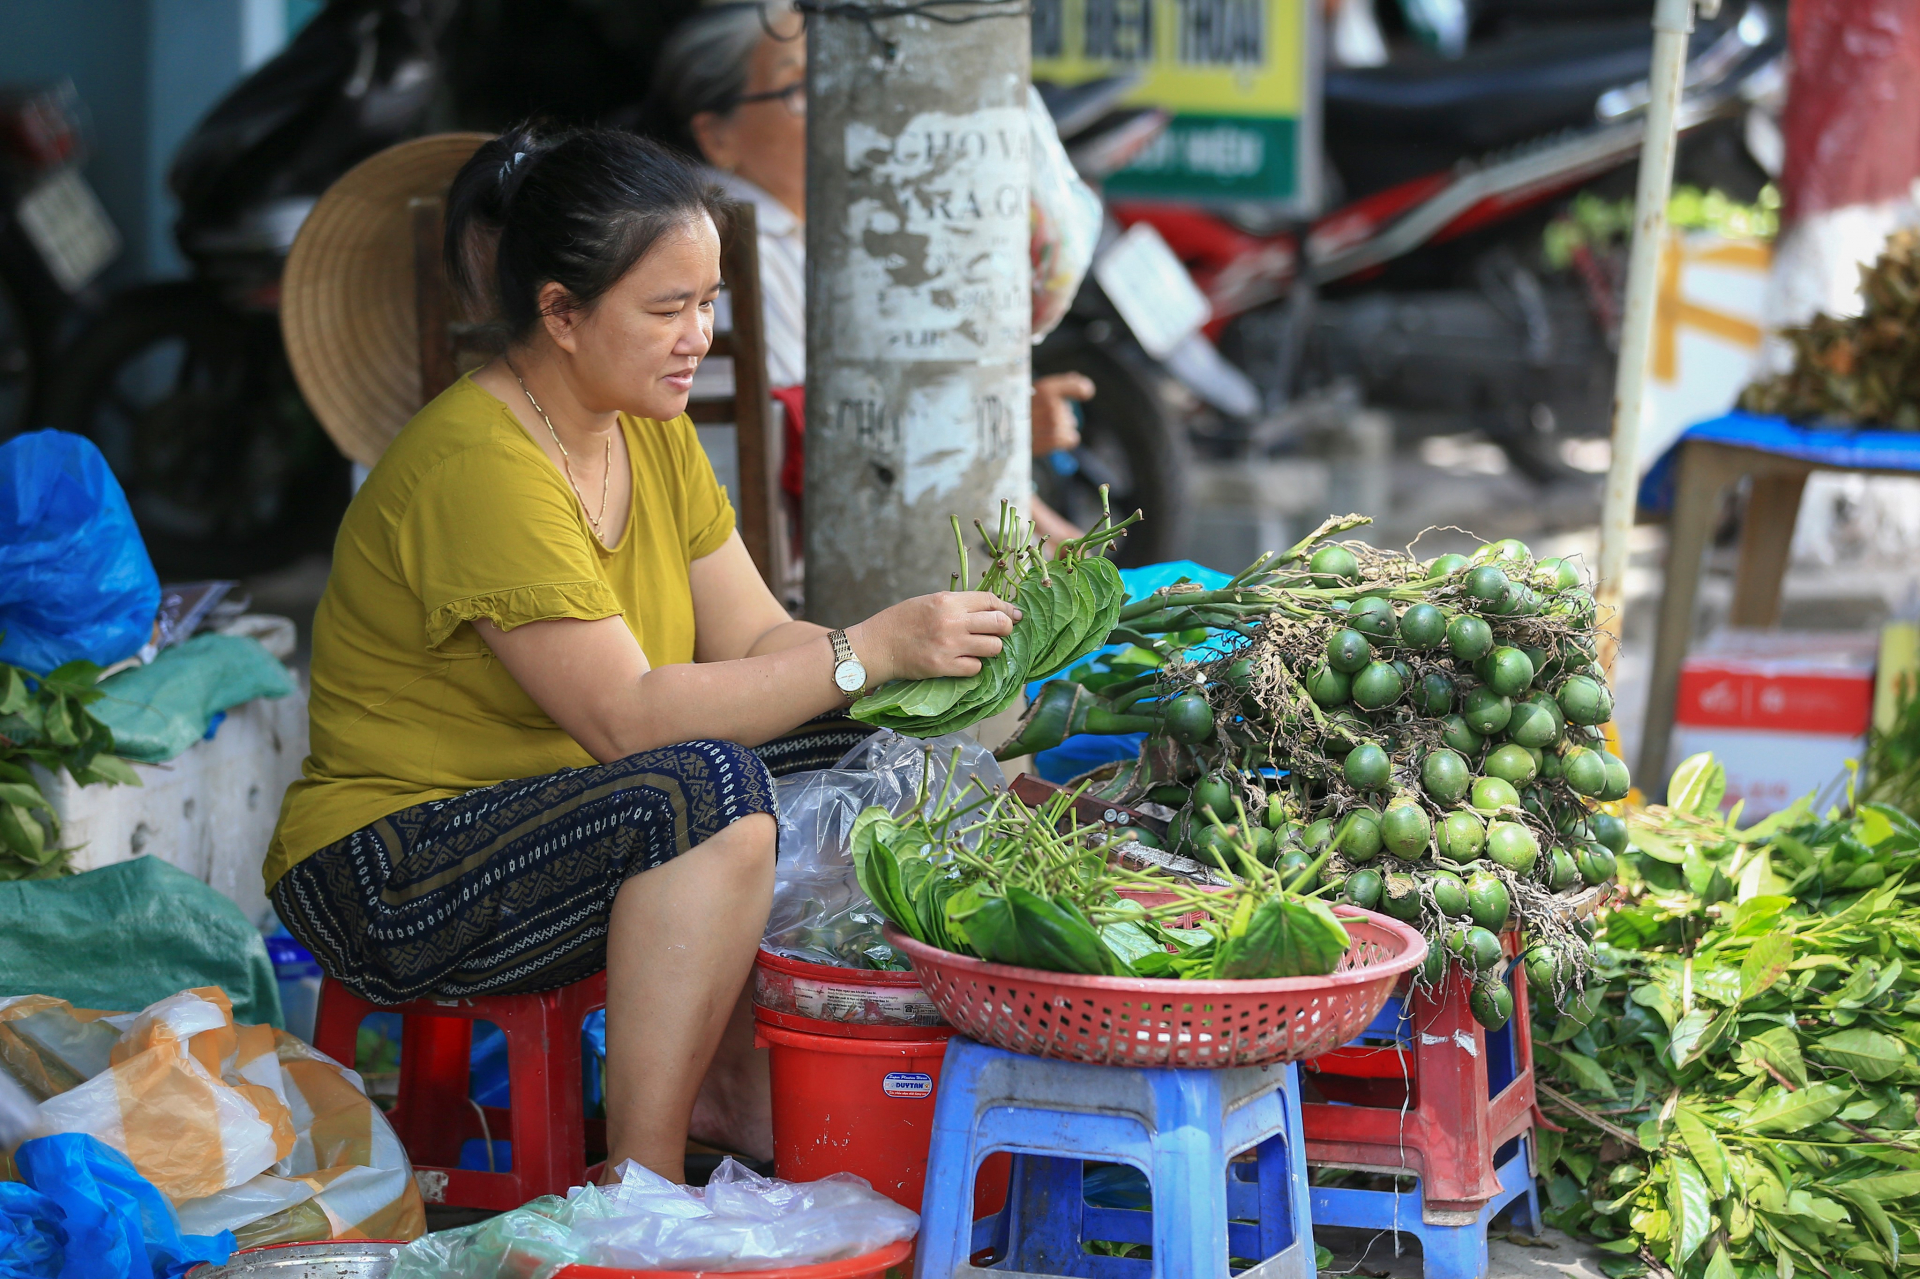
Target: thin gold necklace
(566, 459)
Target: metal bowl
(340, 1259)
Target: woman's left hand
(946, 633)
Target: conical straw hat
(347, 309)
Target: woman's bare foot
(734, 1107)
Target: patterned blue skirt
(507, 889)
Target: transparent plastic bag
(819, 913)
(742, 1221)
(534, 1241)
(1066, 218)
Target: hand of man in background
(1054, 425)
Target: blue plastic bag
(75, 580)
(91, 1215)
(32, 1239)
(1084, 752)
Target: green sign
(1238, 76)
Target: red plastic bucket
(863, 1002)
(864, 1106)
(872, 1265)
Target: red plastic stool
(435, 1114)
(1439, 1103)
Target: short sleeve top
(465, 517)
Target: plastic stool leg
(1189, 1176)
(946, 1205)
(1046, 1216)
(336, 1026)
(434, 1116)
(1453, 1252)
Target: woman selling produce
(543, 655)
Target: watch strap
(842, 649)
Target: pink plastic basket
(1121, 1021)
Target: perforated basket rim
(1413, 950)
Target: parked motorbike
(185, 385)
(1423, 291)
(54, 240)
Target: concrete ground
(1369, 1254)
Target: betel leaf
(1865, 1054)
(1766, 960)
(994, 933)
(1689, 1208)
(877, 870)
(1282, 938)
(1781, 1111)
(1707, 1152)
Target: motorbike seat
(1389, 124)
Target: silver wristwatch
(849, 676)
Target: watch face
(850, 676)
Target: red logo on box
(1714, 696)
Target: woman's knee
(744, 847)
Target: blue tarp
(1840, 447)
(1087, 751)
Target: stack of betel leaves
(1068, 602)
(1434, 727)
(987, 876)
(1744, 1106)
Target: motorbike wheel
(196, 409)
(1128, 441)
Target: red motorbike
(1423, 292)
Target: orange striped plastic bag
(243, 1128)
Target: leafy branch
(44, 720)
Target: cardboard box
(1783, 711)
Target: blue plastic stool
(1448, 1249)
(1179, 1127)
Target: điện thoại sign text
(1237, 75)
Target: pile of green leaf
(1893, 756)
(44, 720)
(1067, 602)
(1003, 882)
(1742, 1105)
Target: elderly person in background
(731, 85)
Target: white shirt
(783, 280)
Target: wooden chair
(448, 348)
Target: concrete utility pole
(919, 308)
